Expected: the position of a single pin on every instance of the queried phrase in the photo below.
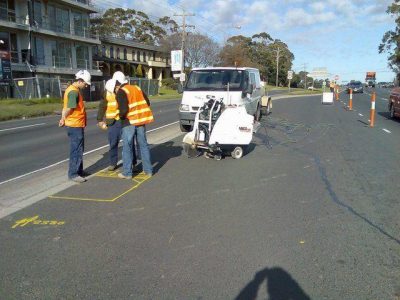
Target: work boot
(120, 175)
(112, 168)
(78, 179)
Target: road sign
(289, 74)
(320, 73)
(176, 60)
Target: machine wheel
(257, 115)
(237, 152)
(217, 156)
(391, 114)
(185, 128)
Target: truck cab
(235, 86)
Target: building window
(39, 51)
(111, 52)
(118, 54)
(133, 55)
(80, 24)
(82, 56)
(144, 56)
(103, 51)
(95, 51)
(125, 54)
(61, 54)
(7, 10)
(37, 13)
(58, 19)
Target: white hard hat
(84, 75)
(110, 85)
(120, 77)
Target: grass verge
(19, 109)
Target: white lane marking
(385, 130)
(361, 115)
(15, 128)
(62, 161)
(384, 99)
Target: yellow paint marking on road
(80, 199)
(36, 221)
(138, 179)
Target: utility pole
(305, 76)
(278, 51)
(184, 26)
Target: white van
(236, 86)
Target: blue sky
(340, 35)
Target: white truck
(235, 86)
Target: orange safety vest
(112, 111)
(78, 116)
(139, 111)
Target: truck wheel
(257, 115)
(269, 106)
(185, 128)
(237, 152)
(391, 114)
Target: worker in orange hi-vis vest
(135, 113)
(73, 117)
(108, 118)
(332, 86)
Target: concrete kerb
(277, 97)
(30, 189)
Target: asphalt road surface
(310, 212)
(28, 145)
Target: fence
(36, 87)
(149, 86)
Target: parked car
(394, 103)
(356, 86)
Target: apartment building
(48, 38)
(132, 58)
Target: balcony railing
(82, 64)
(8, 15)
(62, 62)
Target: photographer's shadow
(161, 153)
(279, 286)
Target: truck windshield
(215, 80)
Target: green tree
(391, 39)
(132, 24)
(237, 52)
(259, 51)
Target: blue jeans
(128, 150)
(114, 135)
(144, 149)
(77, 143)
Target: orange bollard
(372, 114)
(351, 100)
